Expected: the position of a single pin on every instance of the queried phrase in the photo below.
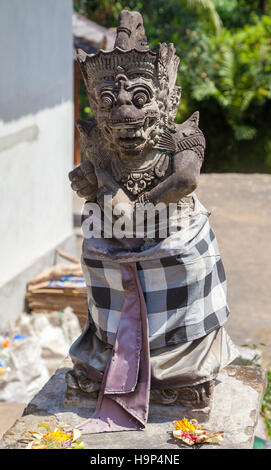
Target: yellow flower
(189, 433)
(56, 439)
(186, 425)
(57, 436)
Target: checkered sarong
(182, 279)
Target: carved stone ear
(175, 99)
(167, 64)
(194, 119)
(84, 126)
(81, 57)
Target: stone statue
(157, 305)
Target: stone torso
(135, 179)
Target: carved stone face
(127, 112)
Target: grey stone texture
(235, 409)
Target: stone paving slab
(235, 409)
(240, 217)
(9, 412)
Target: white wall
(35, 194)
(36, 131)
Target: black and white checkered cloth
(183, 282)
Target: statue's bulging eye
(107, 100)
(140, 98)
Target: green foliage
(228, 76)
(266, 405)
(85, 110)
(238, 13)
(225, 71)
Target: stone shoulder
(188, 136)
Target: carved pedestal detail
(78, 381)
(196, 396)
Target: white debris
(32, 350)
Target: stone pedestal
(235, 409)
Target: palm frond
(209, 6)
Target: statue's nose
(124, 97)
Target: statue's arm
(83, 181)
(182, 181)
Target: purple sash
(123, 401)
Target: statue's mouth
(129, 133)
(131, 123)
(129, 137)
(131, 142)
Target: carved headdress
(131, 54)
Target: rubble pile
(59, 287)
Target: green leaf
(42, 425)
(243, 132)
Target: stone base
(77, 400)
(236, 405)
(194, 401)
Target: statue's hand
(122, 205)
(105, 181)
(84, 181)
